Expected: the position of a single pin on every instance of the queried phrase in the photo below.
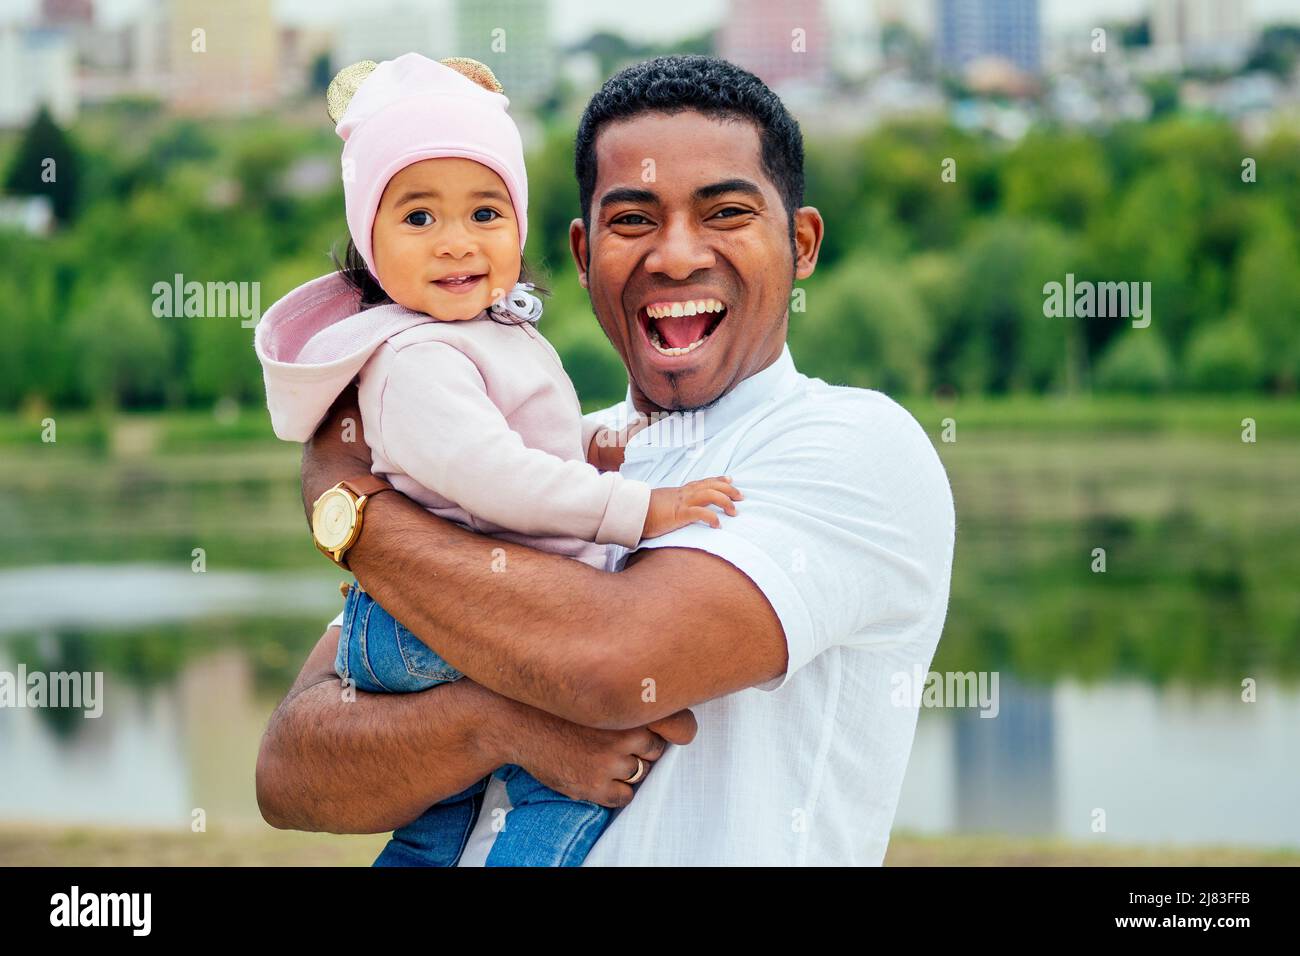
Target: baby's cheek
(506, 263)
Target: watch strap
(366, 485)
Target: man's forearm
(561, 636)
(503, 629)
(546, 630)
(324, 758)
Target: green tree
(552, 203)
(1268, 296)
(864, 325)
(1224, 357)
(995, 337)
(29, 361)
(1136, 362)
(120, 350)
(47, 163)
(589, 360)
(1062, 179)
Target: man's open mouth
(681, 327)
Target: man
(783, 630)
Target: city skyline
(574, 20)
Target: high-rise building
(974, 33)
(855, 46)
(222, 57)
(37, 68)
(1193, 33)
(97, 47)
(300, 49)
(782, 42)
(384, 32)
(513, 37)
(67, 12)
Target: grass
(43, 846)
(909, 849)
(262, 846)
(1199, 414)
(190, 430)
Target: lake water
(1120, 691)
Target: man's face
(689, 263)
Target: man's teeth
(660, 310)
(664, 350)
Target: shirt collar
(747, 396)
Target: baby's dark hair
(356, 273)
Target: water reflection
(1172, 765)
(155, 756)
(186, 700)
(70, 596)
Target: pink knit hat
(411, 109)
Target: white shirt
(847, 528)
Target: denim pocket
(422, 662)
(381, 655)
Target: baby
(466, 408)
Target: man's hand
(337, 452)
(588, 764)
(376, 762)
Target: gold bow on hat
(348, 80)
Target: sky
(670, 19)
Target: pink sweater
(474, 420)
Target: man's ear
(808, 231)
(578, 248)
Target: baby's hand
(673, 508)
(608, 446)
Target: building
(988, 35)
(67, 12)
(300, 48)
(222, 57)
(37, 67)
(1201, 33)
(385, 32)
(102, 53)
(33, 215)
(785, 43)
(513, 37)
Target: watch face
(333, 519)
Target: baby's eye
(485, 214)
(411, 217)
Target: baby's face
(445, 239)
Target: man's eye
(485, 214)
(731, 212)
(627, 220)
(413, 216)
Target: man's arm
(377, 762)
(675, 628)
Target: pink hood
(313, 343)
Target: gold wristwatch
(336, 515)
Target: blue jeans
(544, 828)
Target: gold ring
(640, 771)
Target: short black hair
(708, 85)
